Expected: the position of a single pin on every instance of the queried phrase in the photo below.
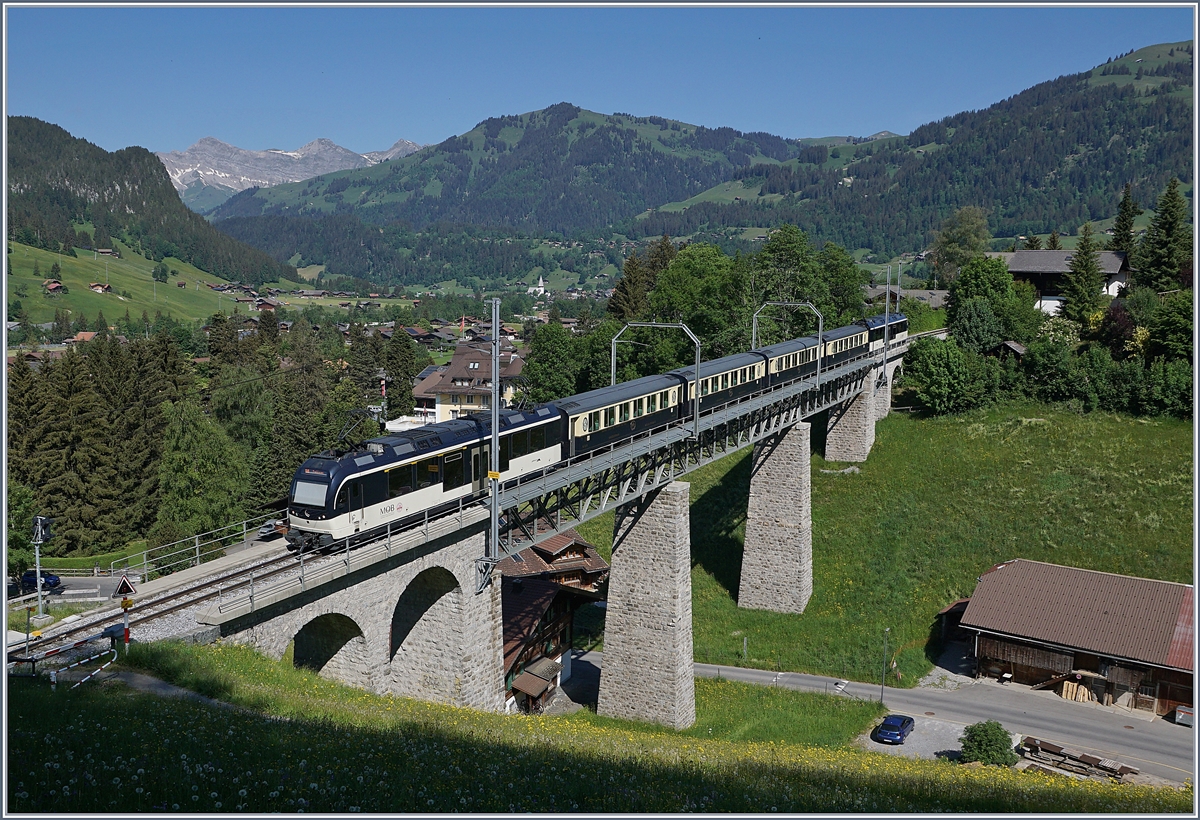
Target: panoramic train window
(400, 480)
(519, 443)
(593, 421)
(625, 411)
(453, 474)
(309, 493)
(704, 387)
(652, 403)
(537, 439)
(725, 381)
(375, 489)
(639, 408)
(428, 473)
(610, 416)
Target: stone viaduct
(414, 626)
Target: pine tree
(101, 325)
(1052, 244)
(658, 259)
(1033, 242)
(1127, 212)
(400, 362)
(23, 386)
(72, 466)
(268, 330)
(81, 324)
(629, 300)
(1167, 243)
(1084, 280)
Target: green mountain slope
(1049, 158)
(559, 169)
(57, 184)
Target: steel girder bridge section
(541, 508)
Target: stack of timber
(1044, 754)
(1078, 692)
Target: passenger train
(396, 479)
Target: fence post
(243, 532)
(197, 550)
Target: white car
(268, 529)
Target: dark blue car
(894, 729)
(29, 580)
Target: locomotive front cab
(310, 505)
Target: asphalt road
(1156, 746)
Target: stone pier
(777, 557)
(851, 431)
(648, 669)
(883, 394)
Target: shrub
(989, 743)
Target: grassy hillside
(128, 275)
(562, 168)
(302, 743)
(939, 501)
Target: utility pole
(41, 534)
(883, 680)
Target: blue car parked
(894, 729)
(29, 580)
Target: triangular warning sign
(125, 588)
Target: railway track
(170, 602)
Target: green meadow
(285, 740)
(939, 501)
(130, 275)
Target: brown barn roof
(1115, 615)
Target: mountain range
(1048, 158)
(211, 171)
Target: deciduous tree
(203, 474)
(963, 236)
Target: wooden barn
(1092, 636)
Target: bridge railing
(348, 558)
(186, 552)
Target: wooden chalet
(541, 587)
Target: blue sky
(262, 78)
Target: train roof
(604, 396)
(878, 320)
(842, 332)
(398, 447)
(790, 346)
(722, 365)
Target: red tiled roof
(1115, 615)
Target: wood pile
(1078, 692)
(1046, 754)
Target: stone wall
(777, 557)
(416, 629)
(648, 669)
(851, 431)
